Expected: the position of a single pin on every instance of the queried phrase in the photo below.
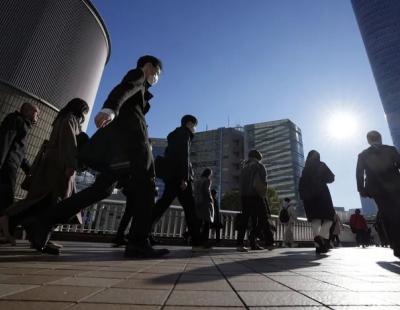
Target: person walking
(119, 149)
(216, 225)
(176, 171)
(253, 190)
(359, 226)
(14, 131)
(378, 177)
(335, 231)
(204, 204)
(288, 221)
(317, 199)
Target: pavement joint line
(286, 286)
(173, 287)
(229, 283)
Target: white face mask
(152, 79)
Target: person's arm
(328, 176)
(130, 85)
(360, 176)
(8, 132)
(182, 145)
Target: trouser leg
(123, 224)
(162, 204)
(263, 223)
(186, 199)
(7, 188)
(324, 232)
(243, 222)
(140, 200)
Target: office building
(369, 207)
(379, 23)
(280, 143)
(51, 51)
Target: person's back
(251, 170)
(381, 165)
(357, 221)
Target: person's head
(312, 157)
(254, 154)
(207, 173)
(77, 107)
(287, 199)
(30, 112)
(358, 211)
(151, 67)
(190, 122)
(214, 192)
(374, 138)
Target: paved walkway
(96, 276)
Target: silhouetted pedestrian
(177, 173)
(204, 204)
(253, 191)
(217, 223)
(359, 226)
(317, 199)
(13, 139)
(289, 208)
(378, 177)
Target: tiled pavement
(96, 277)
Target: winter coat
(251, 170)
(380, 164)
(178, 166)
(203, 200)
(358, 222)
(291, 211)
(48, 173)
(315, 179)
(123, 146)
(13, 138)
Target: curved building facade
(51, 51)
(379, 23)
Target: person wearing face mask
(178, 177)
(378, 177)
(120, 149)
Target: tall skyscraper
(222, 151)
(281, 145)
(51, 51)
(379, 23)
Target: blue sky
(252, 61)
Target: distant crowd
(121, 154)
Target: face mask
(152, 79)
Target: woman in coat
(53, 172)
(317, 199)
(204, 203)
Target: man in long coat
(13, 137)
(378, 177)
(119, 149)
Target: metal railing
(104, 218)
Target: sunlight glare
(342, 125)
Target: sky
(237, 62)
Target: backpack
(284, 215)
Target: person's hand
(102, 119)
(183, 185)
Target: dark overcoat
(123, 146)
(203, 200)
(378, 171)
(320, 206)
(13, 138)
(178, 166)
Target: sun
(342, 125)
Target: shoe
(119, 241)
(396, 252)
(38, 233)
(55, 245)
(199, 249)
(257, 248)
(146, 251)
(50, 249)
(154, 241)
(242, 249)
(270, 247)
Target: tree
(231, 201)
